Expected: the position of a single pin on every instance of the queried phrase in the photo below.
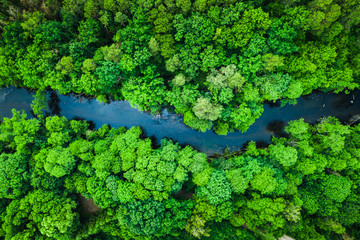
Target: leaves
(13, 175)
(173, 53)
(144, 217)
(287, 156)
(59, 162)
(217, 190)
(205, 110)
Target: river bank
(168, 125)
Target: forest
(305, 185)
(213, 61)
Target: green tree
(144, 217)
(14, 175)
(109, 75)
(39, 103)
(287, 156)
(264, 181)
(205, 110)
(238, 182)
(337, 188)
(217, 190)
(282, 38)
(264, 212)
(59, 162)
(332, 134)
(19, 133)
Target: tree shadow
(54, 105)
(262, 144)
(277, 128)
(273, 104)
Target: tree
(39, 103)
(102, 195)
(179, 80)
(272, 62)
(205, 110)
(65, 65)
(59, 138)
(41, 212)
(175, 216)
(332, 134)
(144, 217)
(274, 86)
(264, 181)
(282, 38)
(242, 117)
(14, 175)
(82, 149)
(323, 14)
(106, 163)
(298, 129)
(337, 188)
(226, 77)
(201, 125)
(196, 227)
(242, 30)
(287, 156)
(109, 75)
(55, 123)
(217, 190)
(53, 214)
(59, 162)
(15, 218)
(19, 133)
(264, 212)
(238, 182)
(202, 178)
(221, 128)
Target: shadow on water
(345, 101)
(273, 104)
(54, 103)
(277, 127)
(169, 125)
(262, 144)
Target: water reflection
(54, 101)
(311, 108)
(277, 127)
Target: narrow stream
(311, 107)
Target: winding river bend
(311, 107)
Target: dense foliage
(305, 185)
(215, 62)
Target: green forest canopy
(305, 185)
(214, 61)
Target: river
(311, 107)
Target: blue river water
(168, 125)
